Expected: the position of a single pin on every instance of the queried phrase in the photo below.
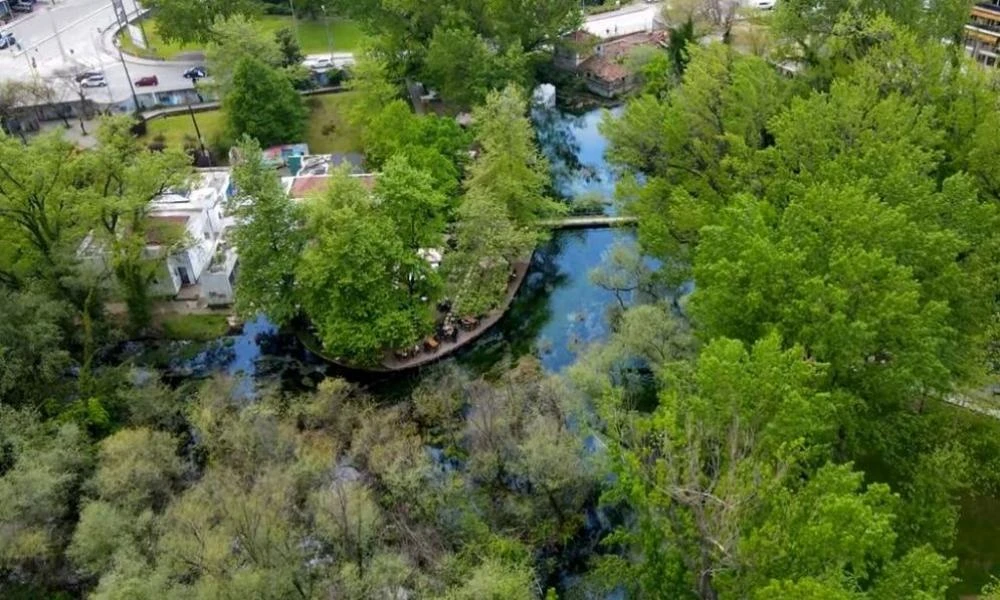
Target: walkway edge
(391, 364)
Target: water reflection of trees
(516, 334)
(557, 139)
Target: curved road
(73, 35)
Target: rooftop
(161, 228)
(204, 188)
(304, 186)
(603, 68)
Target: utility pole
(135, 98)
(138, 20)
(55, 31)
(294, 20)
(329, 38)
(197, 130)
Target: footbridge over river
(589, 222)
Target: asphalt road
(629, 19)
(62, 36)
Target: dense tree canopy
(192, 20)
(465, 48)
(268, 237)
(263, 104)
(816, 287)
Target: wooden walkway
(589, 222)
(391, 363)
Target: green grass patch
(156, 46)
(200, 328)
(327, 130)
(346, 36)
(175, 128)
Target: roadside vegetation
(327, 129)
(193, 327)
(345, 36)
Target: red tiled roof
(311, 185)
(603, 69)
(308, 186)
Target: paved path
(630, 19)
(589, 222)
(963, 401)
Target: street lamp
(294, 20)
(135, 98)
(329, 40)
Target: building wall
(982, 34)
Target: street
(75, 35)
(629, 19)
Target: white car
(318, 64)
(93, 81)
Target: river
(557, 312)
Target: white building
(202, 267)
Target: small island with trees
(395, 274)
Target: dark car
(87, 75)
(20, 7)
(195, 73)
(7, 40)
(147, 80)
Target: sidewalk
(110, 45)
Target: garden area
(345, 36)
(326, 132)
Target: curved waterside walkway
(391, 363)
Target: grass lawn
(325, 132)
(200, 328)
(174, 128)
(345, 35)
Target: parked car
(7, 40)
(318, 64)
(147, 80)
(87, 75)
(195, 73)
(20, 7)
(93, 81)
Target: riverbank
(391, 363)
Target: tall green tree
(715, 476)
(234, 39)
(263, 104)
(34, 353)
(417, 208)
(510, 170)
(363, 289)
(464, 67)
(269, 237)
(38, 204)
(191, 21)
(488, 245)
(417, 38)
(125, 178)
